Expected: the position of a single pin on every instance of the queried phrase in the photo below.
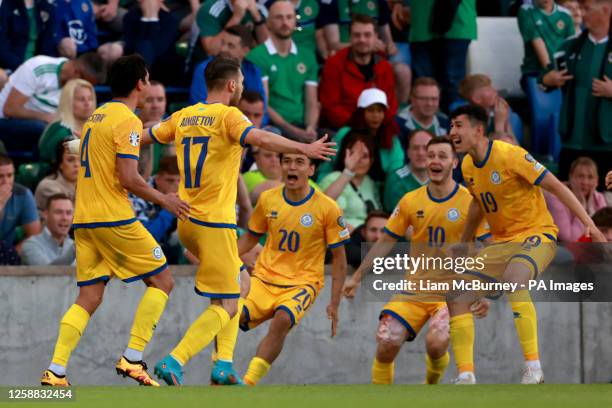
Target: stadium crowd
(379, 76)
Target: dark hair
(251, 96)
(59, 156)
(476, 114)
(387, 130)
(219, 71)
(442, 140)
(312, 162)
(94, 65)
(5, 160)
(354, 136)
(361, 19)
(125, 73)
(168, 165)
(55, 197)
(375, 214)
(415, 132)
(246, 37)
(603, 217)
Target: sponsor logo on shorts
(306, 220)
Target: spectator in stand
(478, 90)
(584, 124)
(110, 13)
(544, 26)
(76, 32)
(423, 111)
(353, 69)
(308, 16)
(574, 8)
(30, 99)
(368, 233)
(235, 42)
(52, 246)
(411, 176)
(216, 15)
(440, 34)
(267, 175)
(290, 76)
(350, 185)
(583, 179)
(369, 118)
(603, 220)
(62, 180)
(77, 102)
(401, 61)
(26, 30)
(17, 206)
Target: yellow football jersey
(505, 185)
(209, 140)
(298, 235)
(112, 131)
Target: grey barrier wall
(575, 343)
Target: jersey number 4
(85, 154)
(189, 143)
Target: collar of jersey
(302, 201)
(441, 200)
(481, 164)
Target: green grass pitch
(337, 396)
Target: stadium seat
(545, 108)
(30, 174)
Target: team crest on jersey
(452, 214)
(85, 7)
(529, 158)
(495, 177)
(301, 68)
(134, 138)
(157, 253)
(308, 11)
(371, 5)
(560, 25)
(306, 220)
(420, 214)
(341, 222)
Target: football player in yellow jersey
(505, 181)
(437, 213)
(209, 138)
(301, 224)
(109, 240)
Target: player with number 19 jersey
(209, 140)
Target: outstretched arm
(320, 149)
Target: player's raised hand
(332, 314)
(176, 206)
(350, 288)
(321, 149)
(480, 308)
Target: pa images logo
(134, 138)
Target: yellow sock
(71, 329)
(258, 368)
(147, 315)
(435, 368)
(200, 333)
(526, 323)
(382, 373)
(462, 340)
(227, 337)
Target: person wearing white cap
(369, 117)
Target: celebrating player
(209, 138)
(109, 240)
(504, 181)
(437, 213)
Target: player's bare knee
(391, 334)
(163, 281)
(436, 345)
(90, 297)
(281, 323)
(230, 306)
(245, 283)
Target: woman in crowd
(351, 184)
(77, 103)
(63, 178)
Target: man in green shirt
(289, 74)
(411, 176)
(584, 124)
(307, 20)
(544, 26)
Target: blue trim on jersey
(441, 200)
(484, 236)
(393, 234)
(527, 257)
(298, 203)
(257, 234)
(243, 267)
(540, 178)
(289, 312)
(127, 156)
(247, 317)
(213, 224)
(148, 274)
(244, 133)
(400, 319)
(156, 140)
(481, 164)
(339, 244)
(217, 295)
(104, 278)
(551, 237)
(104, 224)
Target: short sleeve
(524, 165)
(23, 79)
(208, 23)
(29, 213)
(165, 130)
(336, 233)
(127, 138)
(526, 26)
(258, 223)
(237, 125)
(399, 221)
(312, 76)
